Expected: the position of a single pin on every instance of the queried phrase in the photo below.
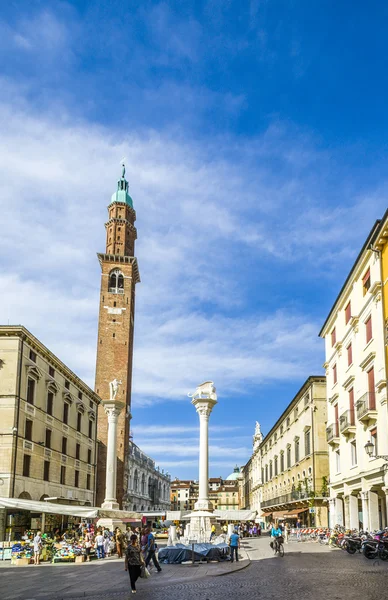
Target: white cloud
(209, 225)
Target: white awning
(87, 512)
(235, 515)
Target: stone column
(374, 520)
(353, 512)
(204, 408)
(112, 409)
(365, 511)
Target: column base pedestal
(203, 505)
(110, 524)
(201, 522)
(110, 505)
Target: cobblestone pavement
(308, 571)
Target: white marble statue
(114, 388)
(205, 390)
(257, 428)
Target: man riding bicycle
(277, 537)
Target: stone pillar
(3, 519)
(353, 512)
(374, 521)
(365, 511)
(112, 410)
(385, 523)
(346, 511)
(204, 408)
(332, 513)
(338, 511)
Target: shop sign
(312, 510)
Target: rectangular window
(26, 465)
(28, 430)
(30, 390)
(33, 356)
(48, 438)
(348, 313)
(288, 422)
(46, 470)
(371, 389)
(50, 402)
(351, 406)
(64, 445)
(296, 451)
(353, 453)
(76, 479)
(80, 395)
(336, 421)
(51, 371)
(276, 466)
(288, 457)
(366, 282)
(89, 456)
(373, 439)
(262, 475)
(270, 470)
(334, 374)
(282, 462)
(349, 350)
(79, 421)
(77, 451)
(333, 337)
(266, 473)
(90, 429)
(65, 413)
(338, 461)
(307, 443)
(63, 475)
(88, 481)
(368, 329)
(67, 385)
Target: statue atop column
(114, 388)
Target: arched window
(135, 481)
(116, 282)
(143, 484)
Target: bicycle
(278, 547)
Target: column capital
(204, 406)
(112, 409)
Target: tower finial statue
(123, 170)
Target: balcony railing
(285, 499)
(366, 405)
(347, 421)
(332, 432)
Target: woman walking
(133, 561)
(119, 542)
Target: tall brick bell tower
(115, 329)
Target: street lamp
(370, 448)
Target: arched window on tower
(135, 481)
(116, 282)
(143, 484)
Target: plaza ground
(307, 571)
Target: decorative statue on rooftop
(205, 390)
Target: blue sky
(255, 136)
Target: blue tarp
(181, 553)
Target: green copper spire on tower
(121, 195)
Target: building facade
(48, 425)
(148, 486)
(295, 462)
(119, 275)
(256, 481)
(228, 496)
(355, 334)
(184, 493)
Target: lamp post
(370, 449)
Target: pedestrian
(37, 547)
(106, 542)
(151, 551)
(119, 542)
(234, 543)
(88, 544)
(286, 532)
(133, 561)
(259, 530)
(99, 545)
(144, 542)
(212, 532)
